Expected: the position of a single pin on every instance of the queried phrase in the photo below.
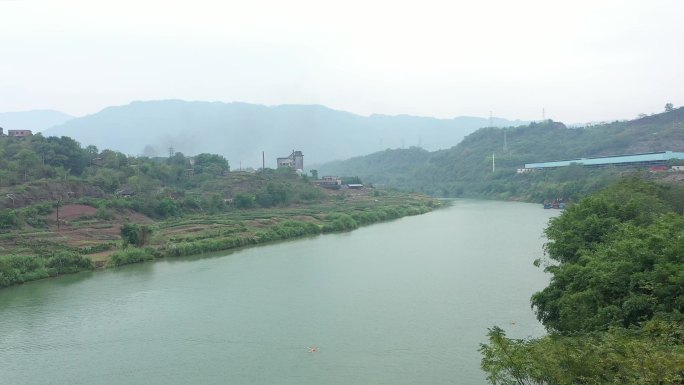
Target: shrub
(190, 203)
(243, 201)
(135, 234)
(38, 222)
(166, 208)
(129, 233)
(131, 255)
(15, 269)
(205, 246)
(8, 219)
(67, 262)
(44, 208)
(340, 222)
(96, 248)
(104, 214)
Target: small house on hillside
(125, 192)
(19, 133)
(329, 182)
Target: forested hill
(241, 131)
(466, 169)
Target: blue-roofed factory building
(634, 160)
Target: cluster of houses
(296, 161)
(16, 133)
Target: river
(402, 302)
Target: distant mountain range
(36, 120)
(241, 131)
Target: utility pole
(263, 162)
(493, 164)
(58, 202)
(505, 141)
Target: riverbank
(82, 240)
(400, 302)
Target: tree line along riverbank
(614, 307)
(88, 241)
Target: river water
(403, 302)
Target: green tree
(129, 233)
(8, 219)
(211, 163)
(67, 153)
(135, 234)
(669, 107)
(274, 194)
(27, 161)
(614, 306)
(633, 275)
(106, 179)
(91, 152)
(584, 225)
(215, 204)
(167, 207)
(243, 201)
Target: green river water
(403, 302)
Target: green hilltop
(465, 170)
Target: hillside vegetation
(64, 208)
(465, 170)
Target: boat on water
(558, 204)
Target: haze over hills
(241, 131)
(35, 120)
(466, 169)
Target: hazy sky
(579, 60)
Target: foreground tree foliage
(615, 301)
(652, 354)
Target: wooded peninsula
(68, 208)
